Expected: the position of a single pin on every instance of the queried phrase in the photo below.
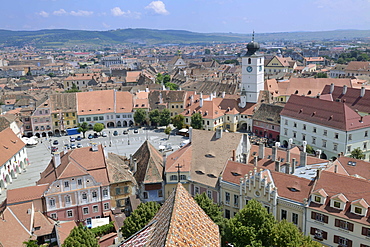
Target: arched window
(173, 177)
(182, 177)
(249, 61)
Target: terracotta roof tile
(10, 145)
(26, 193)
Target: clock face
(249, 69)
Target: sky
(205, 16)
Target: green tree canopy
(310, 150)
(171, 86)
(357, 154)
(82, 128)
(154, 117)
(81, 237)
(139, 218)
(98, 127)
(322, 75)
(167, 131)
(31, 243)
(140, 116)
(73, 89)
(178, 121)
(165, 117)
(197, 121)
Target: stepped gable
(333, 114)
(149, 164)
(179, 222)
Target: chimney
(318, 173)
(331, 88)
(218, 133)
(287, 168)
(304, 146)
(318, 153)
(261, 151)
(274, 153)
(164, 159)
(190, 131)
(200, 102)
(288, 155)
(146, 89)
(290, 142)
(293, 166)
(135, 166)
(56, 159)
(362, 94)
(303, 158)
(160, 98)
(191, 99)
(94, 147)
(255, 161)
(277, 166)
(344, 90)
(223, 94)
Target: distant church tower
(252, 74)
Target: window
(69, 213)
(52, 202)
(344, 225)
(335, 147)
(336, 135)
(286, 122)
(303, 137)
(227, 214)
(118, 116)
(304, 127)
(79, 181)
(285, 131)
(101, 117)
(95, 208)
(125, 189)
(294, 134)
(365, 145)
(283, 214)
(88, 118)
(119, 203)
(105, 192)
(319, 217)
(227, 198)
(236, 200)
(53, 215)
(67, 199)
(358, 210)
(196, 189)
(324, 143)
(313, 140)
(318, 199)
(56, 124)
(95, 118)
(209, 194)
(145, 195)
(350, 137)
(66, 184)
(94, 194)
(366, 231)
(106, 206)
(182, 177)
(160, 193)
(85, 210)
(84, 196)
(336, 204)
(348, 148)
(118, 191)
(343, 242)
(173, 177)
(74, 122)
(314, 130)
(295, 125)
(365, 134)
(82, 119)
(295, 218)
(325, 133)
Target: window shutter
(326, 219)
(349, 243)
(325, 235)
(336, 239)
(350, 227)
(313, 215)
(364, 231)
(313, 231)
(337, 222)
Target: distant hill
(54, 38)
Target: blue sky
(237, 16)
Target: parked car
(136, 131)
(67, 146)
(55, 142)
(90, 136)
(125, 132)
(54, 149)
(72, 139)
(79, 145)
(96, 135)
(78, 138)
(73, 146)
(103, 134)
(115, 133)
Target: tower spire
(253, 36)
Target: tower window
(249, 61)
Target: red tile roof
(10, 145)
(26, 193)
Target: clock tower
(252, 74)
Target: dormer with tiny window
(338, 201)
(319, 196)
(359, 207)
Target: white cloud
(60, 12)
(81, 13)
(117, 11)
(43, 14)
(158, 7)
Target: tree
(154, 117)
(31, 243)
(83, 128)
(167, 131)
(213, 210)
(287, 234)
(165, 117)
(178, 121)
(82, 237)
(140, 116)
(103, 230)
(310, 149)
(139, 218)
(357, 154)
(171, 86)
(98, 127)
(322, 75)
(197, 121)
(253, 224)
(73, 89)
(159, 78)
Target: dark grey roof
(268, 113)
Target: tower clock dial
(249, 69)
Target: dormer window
(318, 199)
(336, 204)
(358, 210)
(359, 207)
(338, 201)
